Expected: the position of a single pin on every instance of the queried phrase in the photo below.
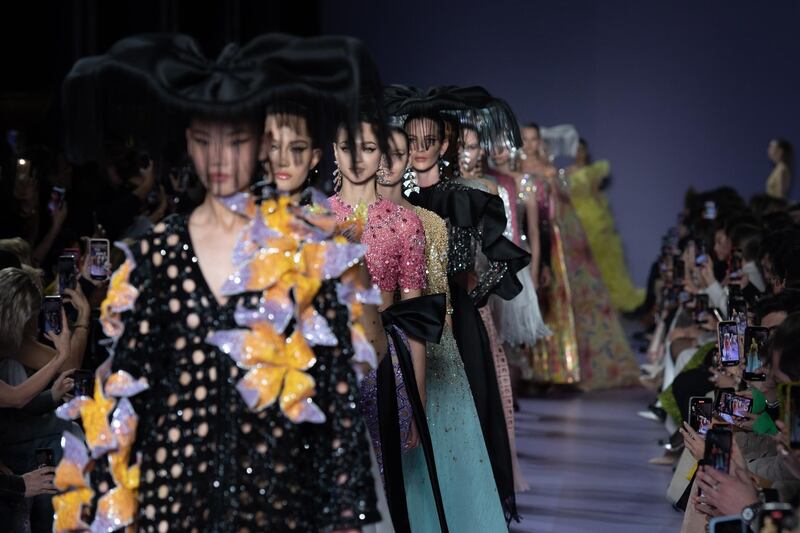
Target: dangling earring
(337, 178)
(382, 173)
(443, 164)
(410, 183)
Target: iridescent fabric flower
(120, 297)
(285, 252)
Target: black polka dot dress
(208, 462)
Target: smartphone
(717, 452)
(45, 457)
(727, 524)
(51, 314)
(700, 256)
(728, 339)
(83, 383)
(701, 308)
(57, 196)
(735, 265)
(98, 259)
(700, 413)
(737, 311)
(23, 169)
(67, 272)
(793, 415)
(730, 405)
(710, 210)
(777, 517)
(755, 352)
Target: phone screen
(755, 350)
(718, 449)
(730, 405)
(738, 313)
(727, 524)
(83, 383)
(98, 259)
(700, 252)
(67, 272)
(45, 457)
(728, 332)
(778, 518)
(700, 414)
(56, 199)
(51, 310)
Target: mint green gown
(465, 474)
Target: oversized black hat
(147, 86)
(473, 106)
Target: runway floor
(585, 456)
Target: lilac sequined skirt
(368, 404)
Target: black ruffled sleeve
(468, 208)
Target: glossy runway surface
(585, 456)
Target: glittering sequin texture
(395, 243)
(436, 246)
(208, 461)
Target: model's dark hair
(435, 117)
(400, 131)
(532, 126)
(297, 116)
(787, 301)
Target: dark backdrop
(672, 93)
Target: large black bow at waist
(421, 318)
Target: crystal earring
(337, 178)
(382, 174)
(443, 164)
(410, 183)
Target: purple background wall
(673, 93)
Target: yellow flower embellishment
(120, 297)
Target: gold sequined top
(436, 245)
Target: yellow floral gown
(592, 208)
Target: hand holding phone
(717, 453)
(67, 272)
(45, 457)
(730, 406)
(57, 196)
(700, 414)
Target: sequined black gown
(208, 463)
(476, 221)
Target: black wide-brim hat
(147, 87)
(468, 106)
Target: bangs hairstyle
(370, 116)
(20, 301)
(435, 117)
(254, 122)
(402, 133)
(298, 117)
